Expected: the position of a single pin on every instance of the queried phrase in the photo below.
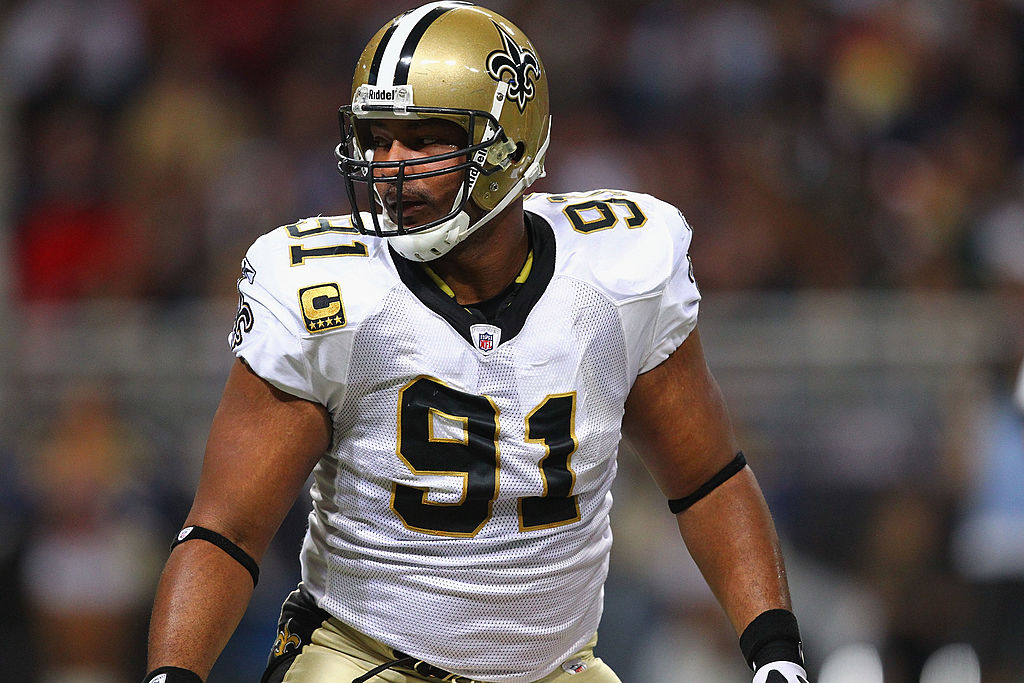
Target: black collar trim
(512, 318)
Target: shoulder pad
(305, 270)
(630, 244)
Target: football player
(456, 363)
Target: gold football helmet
(463, 63)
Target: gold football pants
(333, 652)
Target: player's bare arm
(678, 422)
(262, 445)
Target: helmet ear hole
(520, 151)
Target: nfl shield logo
(485, 337)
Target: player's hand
(780, 672)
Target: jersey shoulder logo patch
(243, 321)
(322, 307)
(248, 272)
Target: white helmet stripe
(394, 54)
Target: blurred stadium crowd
(816, 146)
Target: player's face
(424, 199)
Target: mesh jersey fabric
(461, 512)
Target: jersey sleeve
(678, 304)
(633, 248)
(262, 335)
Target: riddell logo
(397, 97)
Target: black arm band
(172, 674)
(771, 637)
(677, 505)
(191, 533)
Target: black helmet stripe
(402, 70)
(391, 63)
(378, 56)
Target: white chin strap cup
(434, 243)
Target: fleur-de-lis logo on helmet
(517, 64)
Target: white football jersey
(461, 512)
